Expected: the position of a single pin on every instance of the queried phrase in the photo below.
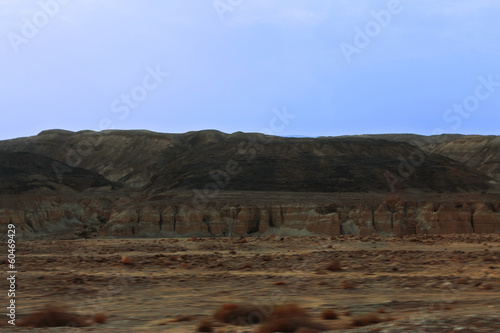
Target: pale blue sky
(232, 64)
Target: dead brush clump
(366, 319)
(329, 314)
(246, 266)
(290, 318)
(279, 283)
(54, 316)
(100, 318)
(126, 260)
(347, 284)
(241, 314)
(485, 286)
(334, 266)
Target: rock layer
(127, 218)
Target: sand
(424, 283)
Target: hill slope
(21, 172)
(244, 161)
(476, 151)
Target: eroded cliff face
(46, 217)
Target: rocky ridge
(145, 184)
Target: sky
(282, 67)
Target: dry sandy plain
(418, 283)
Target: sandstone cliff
(125, 217)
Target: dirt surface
(424, 283)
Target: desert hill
(23, 171)
(208, 183)
(481, 152)
(159, 162)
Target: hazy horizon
(212, 129)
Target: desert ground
(410, 283)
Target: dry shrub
(126, 260)
(485, 286)
(54, 316)
(347, 284)
(241, 314)
(366, 319)
(205, 325)
(329, 314)
(290, 318)
(100, 318)
(334, 266)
